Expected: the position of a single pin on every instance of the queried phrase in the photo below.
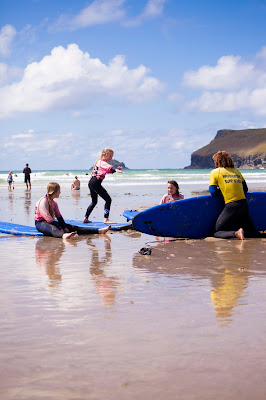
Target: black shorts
(27, 178)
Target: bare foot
(86, 220)
(107, 221)
(104, 230)
(69, 235)
(240, 234)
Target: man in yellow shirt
(226, 180)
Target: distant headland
(115, 164)
(247, 148)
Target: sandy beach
(94, 319)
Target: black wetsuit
(95, 186)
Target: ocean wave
(131, 177)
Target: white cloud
(229, 73)
(7, 34)
(107, 11)
(248, 125)
(232, 85)
(153, 9)
(28, 135)
(30, 142)
(71, 78)
(98, 12)
(116, 132)
(8, 73)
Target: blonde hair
(51, 189)
(10, 173)
(223, 159)
(104, 152)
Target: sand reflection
(48, 252)
(105, 284)
(27, 203)
(76, 197)
(225, 266)
(11, 201)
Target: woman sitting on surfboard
(226, 180)
(100, 169)
(173, 193)
(46, 210)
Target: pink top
(167, 198)
(101, 169)
(42, 210)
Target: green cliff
(247, 148)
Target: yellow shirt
(229, 181)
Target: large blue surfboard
(24, 230)
(192, 218)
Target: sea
(192, 178)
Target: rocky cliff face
(247, 148)
(116, 164)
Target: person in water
(226, 180)
(76, 184)
(100, 169)
(173, 193)
(46, 210)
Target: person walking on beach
(226, 180)
(173, 193)
(27, 172)
(46, 210)
(76, 184)
(100, 169)
(10, 180)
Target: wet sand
(94, 319)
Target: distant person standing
(27, 172)
(10, 180)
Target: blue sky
(152, 79)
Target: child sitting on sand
(76, 184)
(46, 210)
(173, 193)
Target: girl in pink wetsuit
(173, 193)
(100, 169)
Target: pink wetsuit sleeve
(43, 210)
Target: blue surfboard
(24, 230)
(98, 225)
(130, 214)
(192, 218)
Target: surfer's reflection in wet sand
(27, 203)
(76, 197)
(106, 286)
(48, 253)
(11, 201)
(227, 265)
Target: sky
(152, 79)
